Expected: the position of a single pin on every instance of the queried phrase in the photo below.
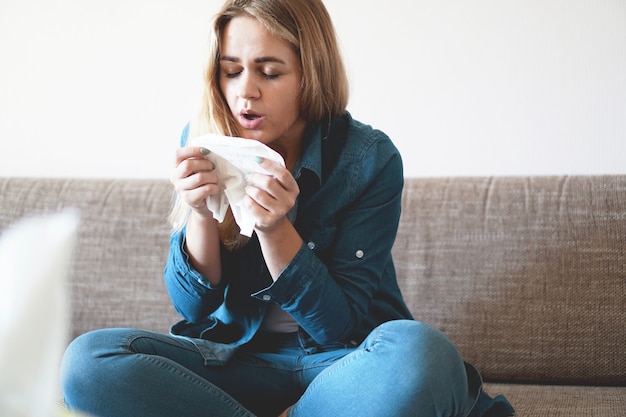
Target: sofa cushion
(563, 401)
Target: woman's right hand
(194, 178)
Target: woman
(305, 317)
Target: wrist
(202, 216)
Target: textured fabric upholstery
(527, 275)
(117, 274)
(538, 400)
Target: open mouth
(248, 115)
(250, 120)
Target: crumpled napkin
(234, 159)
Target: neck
(290, 145)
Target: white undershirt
(277, 320)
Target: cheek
(290, 102)
(227, 89)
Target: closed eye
(231, 74)
(235, 74)
(270, 76)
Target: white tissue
(34, 258)
(234, 159)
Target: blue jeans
(403, 368)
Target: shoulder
(372, 149)
(364, 158)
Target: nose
(248, 88)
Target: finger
(280, 173)
(195, 198)
(193, 193)
(191, 165)
(264, 217)
(268, 191)
(260, 197)
(197, 180)
(190, 152)
(278, 201)
(194, 173)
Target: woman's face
(260, 78)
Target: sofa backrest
(116, 279)
(526, 275)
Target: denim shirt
(342, 282)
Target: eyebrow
(260, 60)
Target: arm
(193, 271)
(330, 293)
(194, 181)
(269, 199)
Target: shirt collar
(322, 144)
(311, 159)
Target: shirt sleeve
(192, 295)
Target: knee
(78, 354)
(430, 364)
(414, 337)
(76, 366)
(423, 351)
(86, 348)
(84, 359)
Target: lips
(250, 119)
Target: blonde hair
(308, 28)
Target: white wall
(482, 87)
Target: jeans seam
(166, 340)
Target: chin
(255, 135)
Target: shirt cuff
(292, 282)
(182, 265)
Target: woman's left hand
(270, 197)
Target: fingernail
(259, 159)
(213, 164)
(204, 151)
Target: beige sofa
(527, 275)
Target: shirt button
(266, 297)
(311, 245)
(359, 254)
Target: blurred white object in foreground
(35, 253)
